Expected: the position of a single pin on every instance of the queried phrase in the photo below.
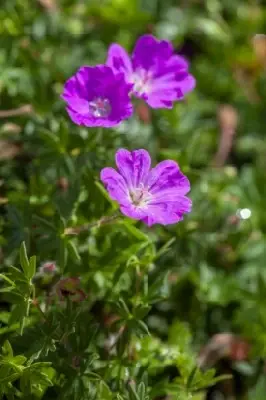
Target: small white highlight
(244, 213)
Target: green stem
(37, 305)
(102, 221)
(99, 135)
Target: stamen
(140, 196)
(99, 107)
(142, 80)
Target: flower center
(140, 196)
(142, 80)
(100, 107)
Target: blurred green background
(216, 256)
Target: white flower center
(142, 80)
(140, 197)
(100, 107)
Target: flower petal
(170, 87)
(155, 101)
(167, 196)
(77, 85)
(167, 213)
(133, 166)
(165, 177)
(88, 120)
(118, 93)
(149, 50)
(78, 105)
(161, 214)
(119, 60)
(188, 84)
(176, 63)
(134, 212)
(115, 185)
(179, 203)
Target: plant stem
(99, 135)
(102, 221)
(37, 305)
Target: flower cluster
(102, 96)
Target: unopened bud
(233, 220)
(239, 349)
(69, 288)
(49, 267)
(62, 184)
(76, 360)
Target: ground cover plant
(132, 200)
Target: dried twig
(228, 121)
(78, 229)
(26, 109)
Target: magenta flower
(96, 96)
(159, 76)
(155, 196)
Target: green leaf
(20, 312)
(93, 376)
(158, 289)
(141, 311)
(165, 248)
(5, 278)
(61, 224)
(32, 267)
(142, 327)
(63, 134)
(123, 342)
(63, 253)
(133, 395)
(191, 376)
(7, 349)
(10, 378)
(137, 233)
(118, 273)
(16, 275)
(73, 251)
(24, 261)
(124, 311)
(44, 223)
(41, 364)
(50, 139)
(106, 195)
(104, 393)
(141, 391)
(19, 360)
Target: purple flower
(159, 76)
(96, 96)
(154, 195)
